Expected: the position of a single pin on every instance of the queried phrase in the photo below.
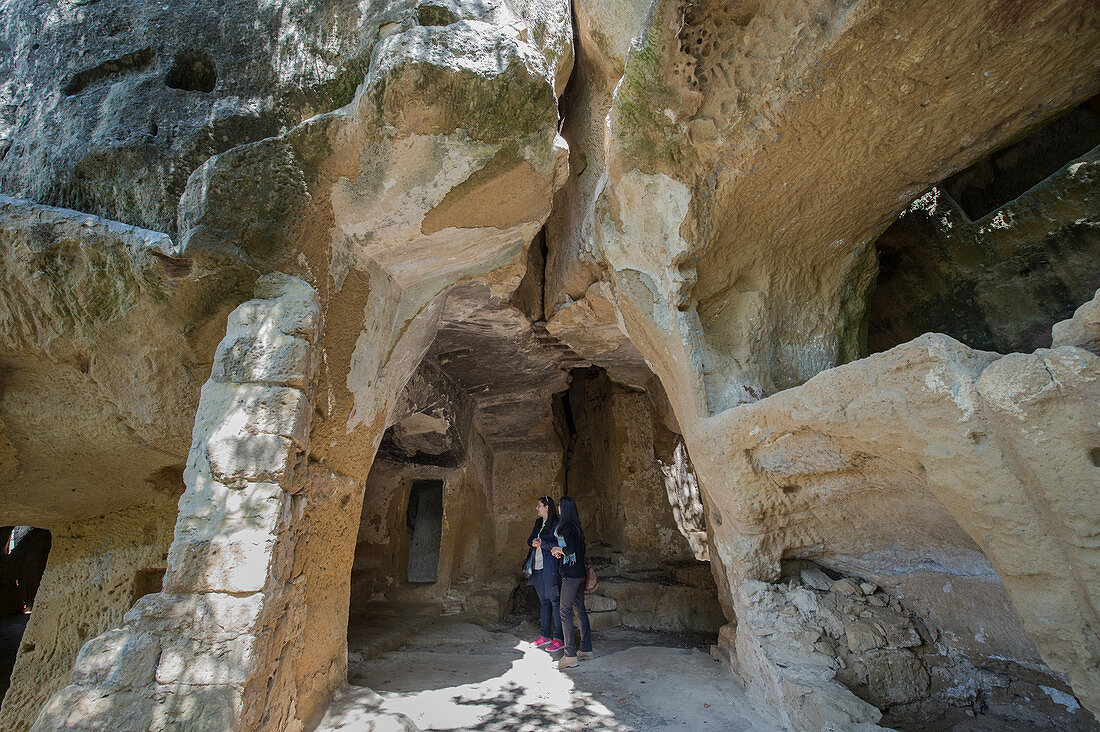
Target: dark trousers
(572, 596)
(549, 613)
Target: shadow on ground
(458, 676)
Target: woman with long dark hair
(544, 574)
(569, 550)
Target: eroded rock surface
(999, 282)
(753, 277)
(751, 164)
(317, 256)
(837, 651)
(97, 569)
(932, 417)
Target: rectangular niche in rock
(425, 522)
(146, 582)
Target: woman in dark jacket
(569, 549)
(544, 574)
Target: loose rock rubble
(840, 653)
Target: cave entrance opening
(997, 253)
(449, 505)
(498, 413)
(24, 551)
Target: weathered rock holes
(792, 490)
(1094, 456)
(435, 14)
(712, 38)
(192, 70)
(115, 67)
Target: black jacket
(572, 565)
(549, 577)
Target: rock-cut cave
(307, 307)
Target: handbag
(565, 558)
(529, 563)
(591, 581)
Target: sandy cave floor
(459, 676)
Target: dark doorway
(425, 522)
(23, 554)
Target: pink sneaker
(555, 645)
(542, 642)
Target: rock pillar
(217, 648)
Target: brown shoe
(584, 655)
(567, 662)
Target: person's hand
(558, 552)
(537, 543)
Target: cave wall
(756, 152)
(802, 455)
(613, 466)
(224, 641)
(96, 571)
(301, 198)
(615, 476)
(520, 478)
(467, 544)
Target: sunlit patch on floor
(463, 677)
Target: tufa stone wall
(97, 570)
(206, 651)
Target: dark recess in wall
(146, 582)
(123, 64)
(947, 265)
(192, 71)
(1001, 177)
(424, 517)
(23, 554)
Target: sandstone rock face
(97, 569)
(805, 640)
(965, 422)
(119, 104)
(695, 119)
(314, 255)
(114, 107)
(740, 261)
(84, 324)
(1082, 330)
(234, 595)
(451, 173)
(613, 474)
